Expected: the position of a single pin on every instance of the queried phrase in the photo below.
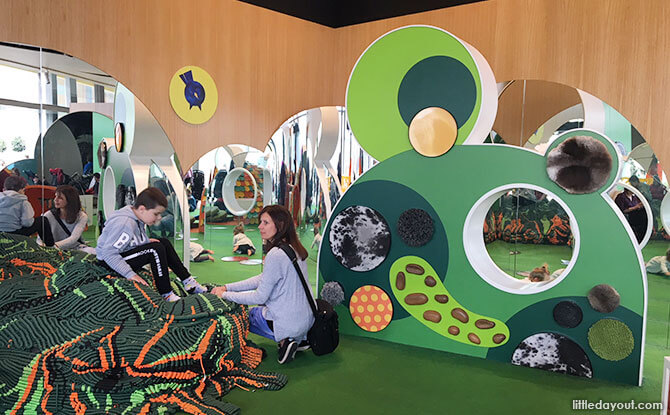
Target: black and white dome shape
(553, 352)
(360, 238)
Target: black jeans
(244, 249)
(160, 255)
(42, 227)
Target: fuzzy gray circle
(415, 227)
(604, 298)
(333, 293)
(580, 165)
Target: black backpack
(324, 336)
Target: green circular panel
(611, 339)
(438, 81)
(372, 93)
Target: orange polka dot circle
(371, 308)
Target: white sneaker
(286, 350)
(303, 345)
(171, 297)
(192, 286)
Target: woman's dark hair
(285, 229)
(73, 206)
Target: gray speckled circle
(553, 352)
(360, 238)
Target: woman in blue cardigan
(283, 314)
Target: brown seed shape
(484, 324)
(441, 298)
(414, 269)
(454, 330)
(416, 299)
(432, 315)
(474, 338)
(430, 281)
(460, 315)
(499, 338)
(400, 281)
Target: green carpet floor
(527, 257)
(366, 376)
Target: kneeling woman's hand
(219, 290)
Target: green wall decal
(373, 90)
(457, 189)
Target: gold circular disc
(433, 131)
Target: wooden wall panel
(542, 101)
(269, 66)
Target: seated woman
(67, 220)
(285, 315)
(660, 264)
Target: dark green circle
(390, 200)
(438, 81)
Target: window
(109, 95)
(19, 84)
(85, 92)
(61, 92)
(19, 133)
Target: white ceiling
(53, 62)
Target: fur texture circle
(333, 293)
(604, 298)
(553, 352)
(360, 238)
(580, 165)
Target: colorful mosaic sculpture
(75, 339)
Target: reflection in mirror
(229, 185)
(240, 192)
(532, 113)
(313, 158)
(640, 193)
(166, 228)
(636, 209)
(45, 93)
(528, 235)
(306, 166)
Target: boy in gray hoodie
(125, 247)
(16, 214)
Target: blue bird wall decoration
(194, 92)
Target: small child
(200, 254)
(16, 214)
(317, 238)
(124, 247)
(241, 242)
(660, 264)
(192, 203)
(539, 274)
(542, 274)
